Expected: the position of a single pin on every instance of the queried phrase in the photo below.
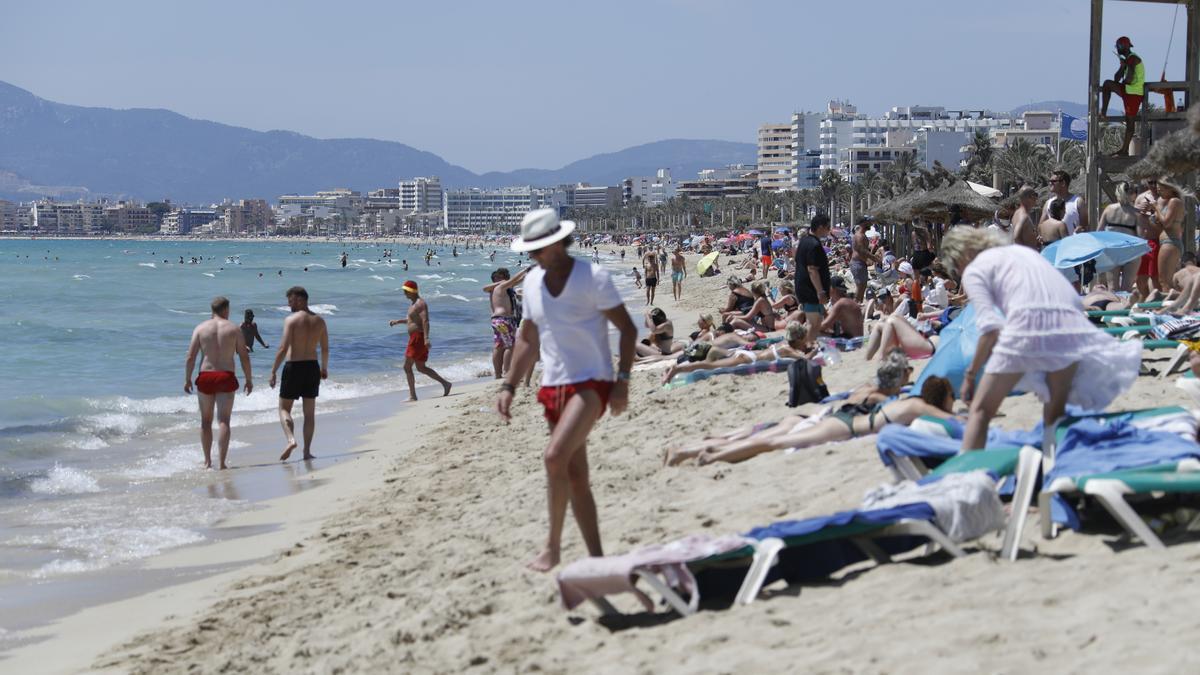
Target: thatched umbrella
(938, 204)
(1177, 154)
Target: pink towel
(591, 578)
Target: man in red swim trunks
(220, 339)
(417, 352)
(569, 303)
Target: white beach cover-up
(1043, 328)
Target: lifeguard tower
(1152, 125)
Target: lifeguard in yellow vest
(1130, 84)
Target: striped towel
(1178, 329)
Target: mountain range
(66, 151)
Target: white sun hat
(540, 228)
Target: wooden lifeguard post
(1151, 125)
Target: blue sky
(500, 85)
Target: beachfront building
(1039, 127)
(805, 146)
(496, 210)
(584, 195)
(733, 181)
(76, 218)
(775, 157)
(246, 216)
(130, 218)
(650, 190)
(862, 158)
(421, 194)
(383, 199)
(9, 219)
(184, 221)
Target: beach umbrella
(937, 204)
(1109, 249)
(955, 350)
(755, 232)
(706, 262)
(777, 243)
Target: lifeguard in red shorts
(417, 351)
(1129, 82)
(569, 303)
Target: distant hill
(1072, 109)
(54, 149)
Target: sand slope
(426, 573)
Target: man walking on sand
(303, 332)
(217, 383)
(650, 264)
(417, 352)
(812, 278)
(504, 317)
(678, 273)
(568, 305)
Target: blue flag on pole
(1073, 128)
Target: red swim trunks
(554, 399)
(417, 349)
(216, 382)
(1149, 266)
(766, 260)
(1133, 103)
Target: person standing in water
(250, 331)
(217, 383)
(303, 332)
(417, 352)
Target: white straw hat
(540, 228)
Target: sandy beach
(412, 560)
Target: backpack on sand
(805, 384)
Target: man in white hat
(568, 305)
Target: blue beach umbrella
(1109, 249)
(755, 232)
(955, 349)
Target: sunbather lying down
(937, 399)
(896, 332)
(711, 357)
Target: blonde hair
(708, 319)
(759, 288)
(1123, 191)
(787, 287)
(961, 243)
(795, 332)
(1173, 187)
(733, 281)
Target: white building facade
(775, 157)
(499, 210)
(651, 190)
(421, 194)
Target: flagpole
(1058, 139)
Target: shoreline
(283, 507)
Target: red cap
(410, 286)
(1124, 42)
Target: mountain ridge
(154, 153)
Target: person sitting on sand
(661, 341)
(1187, 280)
(851, 421)
(740, 299)
(845, 317)
(787, 307)
(760, 315)
(720, 357)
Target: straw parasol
(957, 195)
(1177, 154)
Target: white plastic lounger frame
(908, 468)
(1028, 463)
(1177, 361)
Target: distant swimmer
(217, 383)
(303, 332)
(250, 331)
(343, 258)
(417, 352)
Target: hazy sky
(500, 85)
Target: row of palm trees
(1019, 163)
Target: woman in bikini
(760, 315)
(895, 332)
(851, 421)
(740, 299)
(661, 341)
(719, 357)
(1168, 212)
(1122, 218)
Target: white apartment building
(583, 195)
(860, 158)
(183, 221)
(806, 154)
(651, 190)
(8, 216)
(775, 156)
(902, 125)
(77, 218)
(479, 210)
(421, 194)
(1040, 127)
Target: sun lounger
(761, 366)
(1126, 330)
(1145, 452)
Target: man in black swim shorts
(303, 332)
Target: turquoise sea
(99, 456)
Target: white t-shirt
(1071, 218)
(572, 331)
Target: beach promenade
(416, 563)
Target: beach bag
(516, 305)
(805, 384)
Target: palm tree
(901, 169)
(1023, 162)
(979, 157)
(830, 182)
(871, 184)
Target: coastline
(181, 580)
(423, 569)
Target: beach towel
(1092, 447)
(966, 505)
(777, 366)
(592, 578)
(842, 344)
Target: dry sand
(425, 572)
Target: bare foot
(223, 467)
(446, 389)
(545, 562)
(208, 463)
(670, 373)
(287, 452)
(308, 455)
(412, 399)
